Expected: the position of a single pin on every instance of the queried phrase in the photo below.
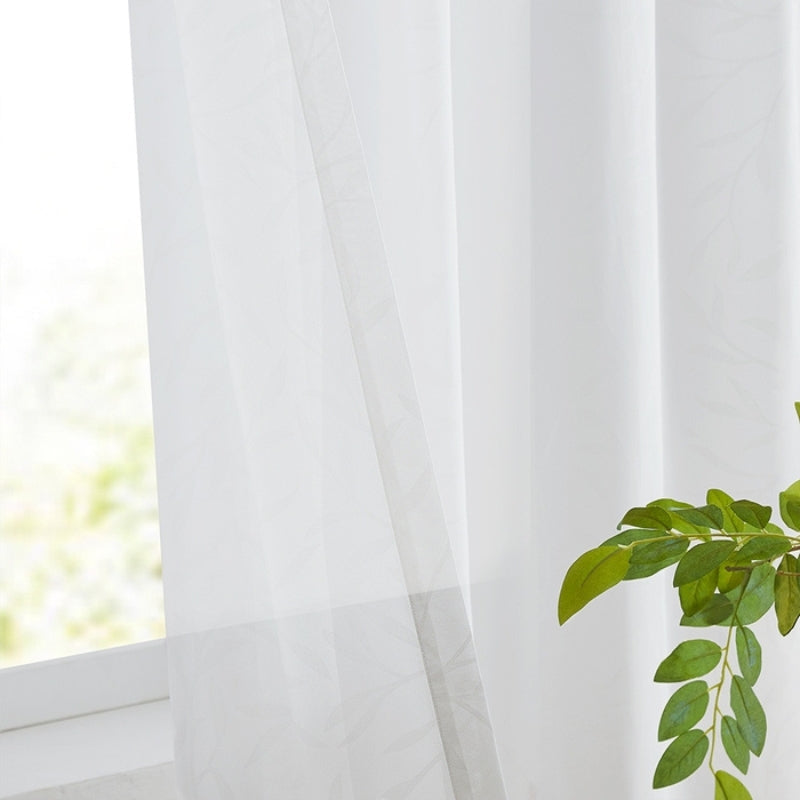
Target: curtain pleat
(596, 393)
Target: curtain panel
(319, 642)
(436, 290)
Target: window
(79, 547)
(79, 551)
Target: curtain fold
(318, 636)
(527, 265)
(597, 388)
(415, 511)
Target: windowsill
(148, 783)
(79, 749)
(83, 717)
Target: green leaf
(671, 506)
(651, 557)
(789, 503)
(729, 788)
(681, 525)
(701, 560)
(689, 660)
(730, 522)
(764, 548)
(678, 524)
(719, 609)
(716, 497)
(734, 744)
(650, 517)
(790, 511)
(632, 535)
(758, 596)
(655, 552)
(668, 504)
(787, 594)
(751, 513)
(681, 758)
(695, 595)
(589, 576)
(749, 714)
(684, 709)
(797, 409)
(702, 516)
(748, 651)
(729, 579)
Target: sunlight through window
(79, 551)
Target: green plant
(733, 566)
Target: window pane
(79, 554)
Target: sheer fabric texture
(319, 638)
(436, 290)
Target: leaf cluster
(732, 565)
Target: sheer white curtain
(318, 635)
(666, 279)
(587, 212)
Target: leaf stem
(725, 665)
(704, 537)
